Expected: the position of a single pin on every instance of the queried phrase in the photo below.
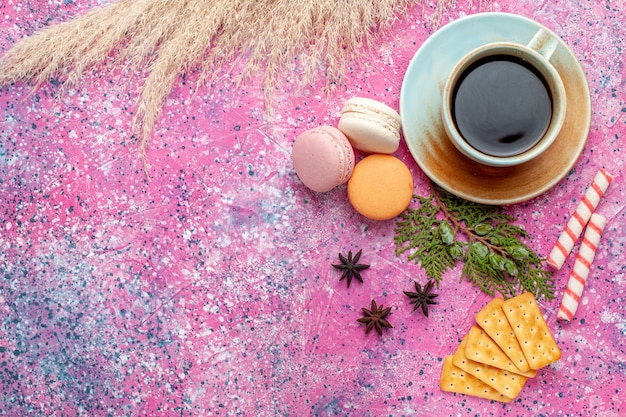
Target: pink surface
(209, 290)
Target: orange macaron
(381, 187)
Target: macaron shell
(369, 135)
(375, 108)
(381, 187)
(348, 158)
(370, 126)
(323, 158)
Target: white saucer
(420, 104)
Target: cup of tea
(504, 103)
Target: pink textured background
(209, 290)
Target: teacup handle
(544, 43)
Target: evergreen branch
(486, 278)
(445, 229)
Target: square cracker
(494, 322)
(454, 379)
(507, 383)
(531, 330)
(479, 347)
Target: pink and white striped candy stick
(579, 219)
(580, 271)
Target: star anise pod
(375, 318)
(422, 298)
(351, 267)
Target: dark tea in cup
(502, 105)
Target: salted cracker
(454, 379)
(481, 348)
(530, 328)
(506, 382)
(494, 322)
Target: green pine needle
(445, 229)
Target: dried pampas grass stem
(174, 37)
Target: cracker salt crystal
(454, 379)
(494, 322)
(530, 328)
(506, 382)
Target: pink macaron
(323, 158)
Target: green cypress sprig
(445, 229)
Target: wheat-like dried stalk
(174, 37)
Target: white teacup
(504, 103)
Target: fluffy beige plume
(174, 37)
